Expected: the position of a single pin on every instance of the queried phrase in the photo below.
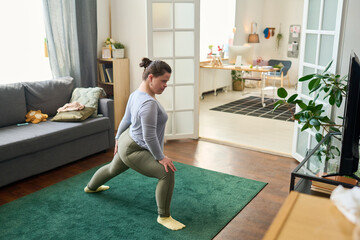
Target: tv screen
(349, 159)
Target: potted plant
(237, 81)
(311, 114)
(118, 50)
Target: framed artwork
(106, 52)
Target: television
(349, 157)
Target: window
(22, 42)
(217, 20)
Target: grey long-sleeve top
(147, 119)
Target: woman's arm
(148, 114)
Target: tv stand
(312, 169)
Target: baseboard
(233, 144)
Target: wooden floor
(251, 223)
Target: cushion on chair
(285, 63)
(12, 104)
(48, 95)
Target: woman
(140, 141)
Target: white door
(319, 45)
(173, 36)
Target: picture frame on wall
(106, 52)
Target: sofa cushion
(74, 116)
(18, 141)
(48, 95)
(88, 97)
(12, 104)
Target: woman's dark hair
(156, 68)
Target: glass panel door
(173, 36)
(320, 41)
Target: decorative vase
(118, 53)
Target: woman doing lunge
(140, 141)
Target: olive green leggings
(130, 154)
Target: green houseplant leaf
(312, 114)
(282, 92)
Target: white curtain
(71, 31)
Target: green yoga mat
(205, 201)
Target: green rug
(205, 201)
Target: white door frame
(196, 58)
(336, 33)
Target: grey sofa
(26, 150)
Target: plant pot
(118, 53)
(238, 85)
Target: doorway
(260, 134)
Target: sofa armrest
(106, 108)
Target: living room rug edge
(204, 200)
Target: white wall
(286, 13)
(247, 11)
(350, 35)
(129, 27)
(103, 23)
(269, 13)
(350, 41)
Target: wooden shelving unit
(119, 89)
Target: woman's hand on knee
(116, 147)
(167, 163)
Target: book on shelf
(109, 73)
(104, 75)
(104, 72)
(327, 187)
(101, 72)
(322, 190)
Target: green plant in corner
(312, 114)
(118, 45)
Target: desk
(263, 72)
(305, 216)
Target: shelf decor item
(118, 50)
(106, 52)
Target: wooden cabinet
(214, 79)
(116, 86)
(309, 217)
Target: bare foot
(170, 223)
(99, 189)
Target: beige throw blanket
(74, 106)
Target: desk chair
(283, 73)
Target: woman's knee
(167, 175)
